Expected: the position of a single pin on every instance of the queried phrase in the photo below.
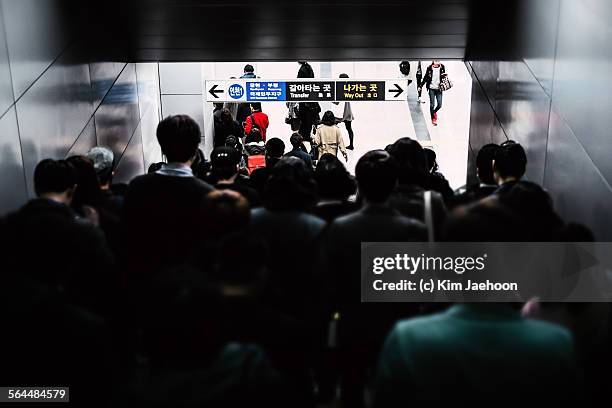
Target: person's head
(435, 62)
(484, 163)
(103, 162)
(333, 180)
(404, 67)
(411, 160)
(55, 179)
(275, 148)
(291, 186)
(305, 70)
(430, 156)
(223, 212)
(217, 106)
(328, 119)
(248, 69)
(232, 141)
(256, 106)
(509, 163)
(343, 75)
(179, 138)
(296, 140)
(226, 117)
(88, 191)
(224, 162)
(376, 173)
(534, 205)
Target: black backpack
(254, 126)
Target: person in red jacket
(257, 120)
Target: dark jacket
(289, 235)
(47, 241)
(409, 201)
(342, 244)
(472, 195)
(333, 209)
(300, 154)
(429, 74)
(161, 214)
(222, 131)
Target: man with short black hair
(509, 165)
(161, 208)
(275, 148)
(296, 141)
(364, 326)
(484, 171)
(50, 243)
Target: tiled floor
(378, 124)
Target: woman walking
(328, 138)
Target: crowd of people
(207, 284)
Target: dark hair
(430, 156)
(343, 76)
(404, 67)
(249, 68)
(484, 162)
(224, 161)
(223, 212)
(54, 176)
(179, 137)
(535, 206)
(88, 191)
(329, 118)
(226, 118)
(510, 160)
(291, 186)
(275, 148)
(256, 106)
(411, 160)
(296, 140)
(305, 70)
(332, 178)
(376, 173)
(153, 167)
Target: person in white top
(433, 76)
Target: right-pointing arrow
(397, 91)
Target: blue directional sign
(262, 91)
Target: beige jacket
(329, 139)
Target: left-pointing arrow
(214, 91)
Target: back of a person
(262, 121)
(329, 137)
(239, 375)
(160, 214)
(474, 353)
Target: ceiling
(198, 30)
